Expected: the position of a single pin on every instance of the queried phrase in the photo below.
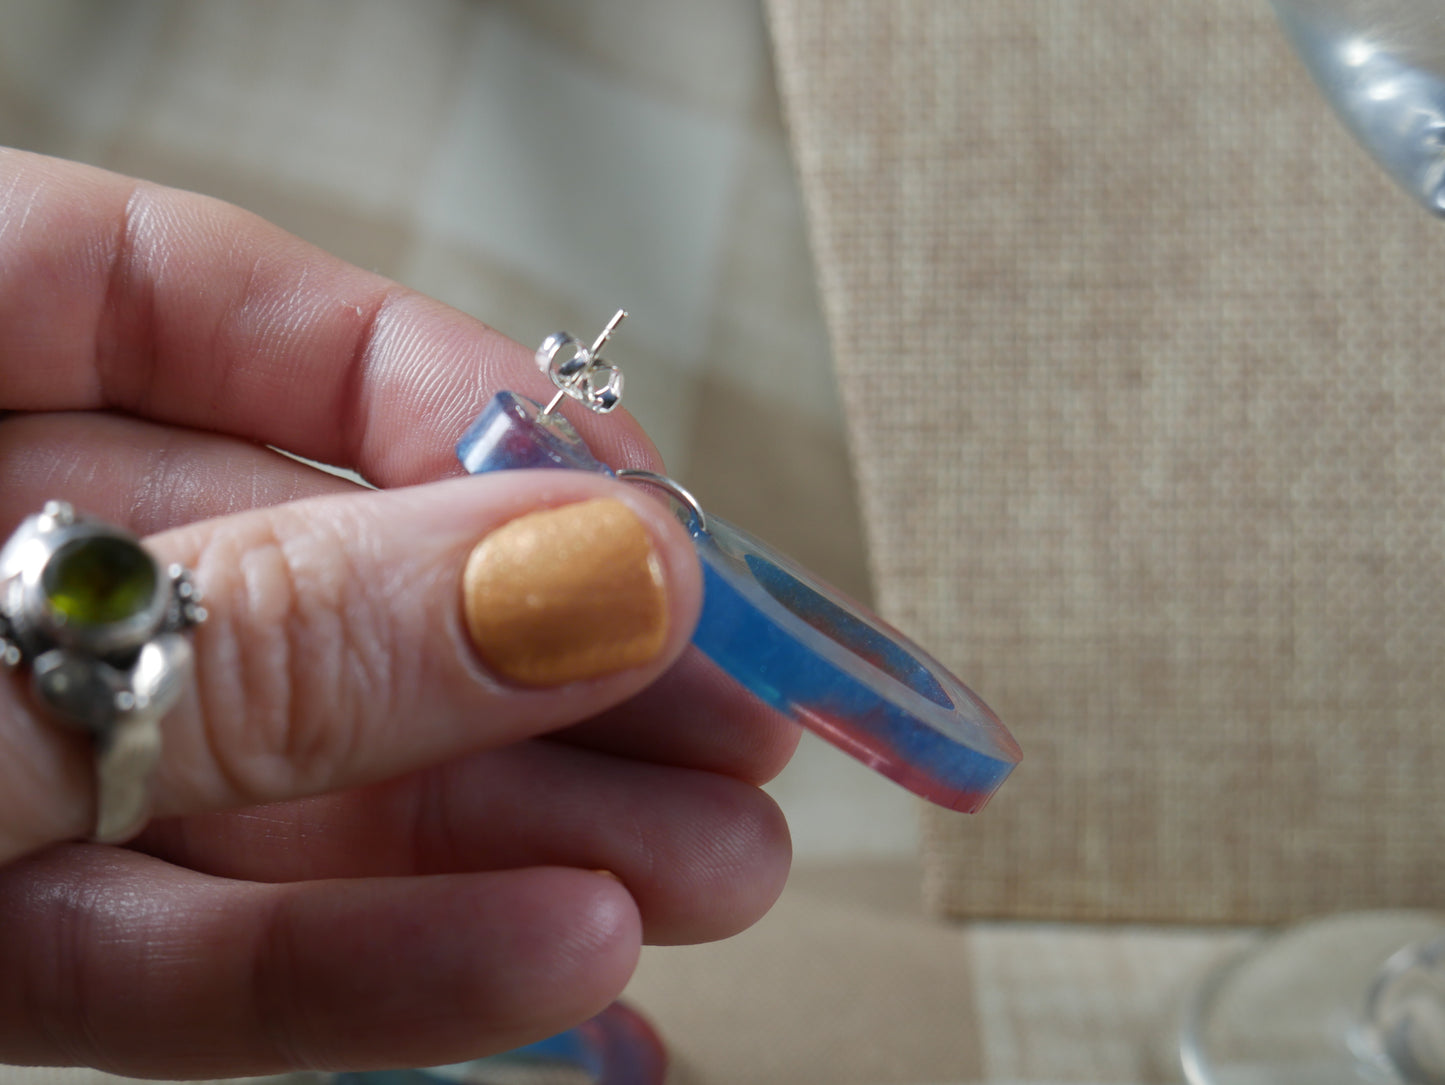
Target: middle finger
(703, 855)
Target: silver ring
(101, 629)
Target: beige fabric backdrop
(1141, 361)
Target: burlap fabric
(1140, 356)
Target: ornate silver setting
(110, 671)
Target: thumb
(359, 636)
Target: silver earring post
(584, 376)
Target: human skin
(368, 850)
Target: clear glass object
(1381, 65)
(1350, 999)
(1353, 998)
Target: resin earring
(793, 641)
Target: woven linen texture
(1140, 356)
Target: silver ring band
(101, 629)
(125, 757)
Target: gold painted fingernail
(565, 594)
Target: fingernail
(564, 594)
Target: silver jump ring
(697, 519)
(100, 626)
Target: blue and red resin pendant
(794, 642)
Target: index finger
(123, 295)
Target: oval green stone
(99, 580)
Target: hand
(371, 847)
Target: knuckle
(277, 976)
(300, 664)
(49, 1011)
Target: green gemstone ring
(101, 629)
(99, 580)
